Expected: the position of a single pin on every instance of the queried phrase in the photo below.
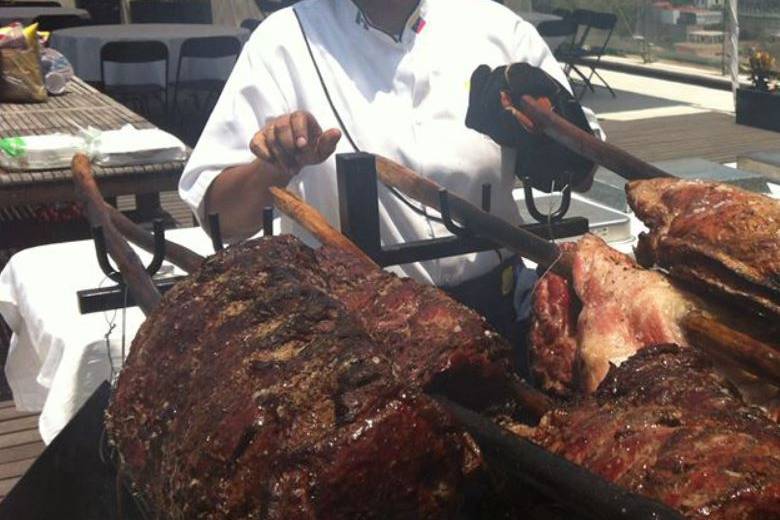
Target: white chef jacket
(404, 97)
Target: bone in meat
(716, 236)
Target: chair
(135, 52)
(209, 47)
(179, 11)
(565, 29)
(574, 57)
(102, 12)
(563, 13)
(269, 6)
(250, 24)
(54, 22)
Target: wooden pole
(138, 281)
(484, 224)
(716, 339)
(312, 221)
(580, 142)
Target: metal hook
(216, 232)
(159, 247)
(486, 196)
(268, 221)
(99, 238)
(555, 216)
(102, 255)
(444, 208)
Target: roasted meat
(666, 425)
(718, 237)
(623, 308)
(277, 382)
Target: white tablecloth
(81, 45)
(58, 357)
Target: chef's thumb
(327, 143)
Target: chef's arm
(283, 147)
(241, 216)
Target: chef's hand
(293, 141)
(548, 165)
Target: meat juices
(257, 390)
(666, 425)
(624, 308)
(718, 237)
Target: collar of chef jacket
(402, 97)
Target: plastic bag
(131, 146)
(39, 152)
(57, 71)
(21, 79)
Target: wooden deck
(20, 444)
(710, 135)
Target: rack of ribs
(717, 237)
(666, 425)
(280, 382)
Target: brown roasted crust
(716, 236)
(666, 425)
(253, 392)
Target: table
(28, 14)
(81, 45)
(57, 356)
(81, 106)
(233, 12)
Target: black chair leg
(586, 82)
(605, 83)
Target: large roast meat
(666, 425)
(715, 236)
(280, 382)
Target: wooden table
(82, 106)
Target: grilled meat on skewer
(256, 391)
(718, 237)
(665, 424)
(612, 309)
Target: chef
(417, 81)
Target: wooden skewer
(313, 222)
(580, 142)
(483, 224)
(752, 355)
(138, 281)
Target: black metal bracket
(215, 229)
(359, 216)
(102, 252)
(540, 217)
(115, 297)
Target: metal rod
(268, 221)
(215, 232)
